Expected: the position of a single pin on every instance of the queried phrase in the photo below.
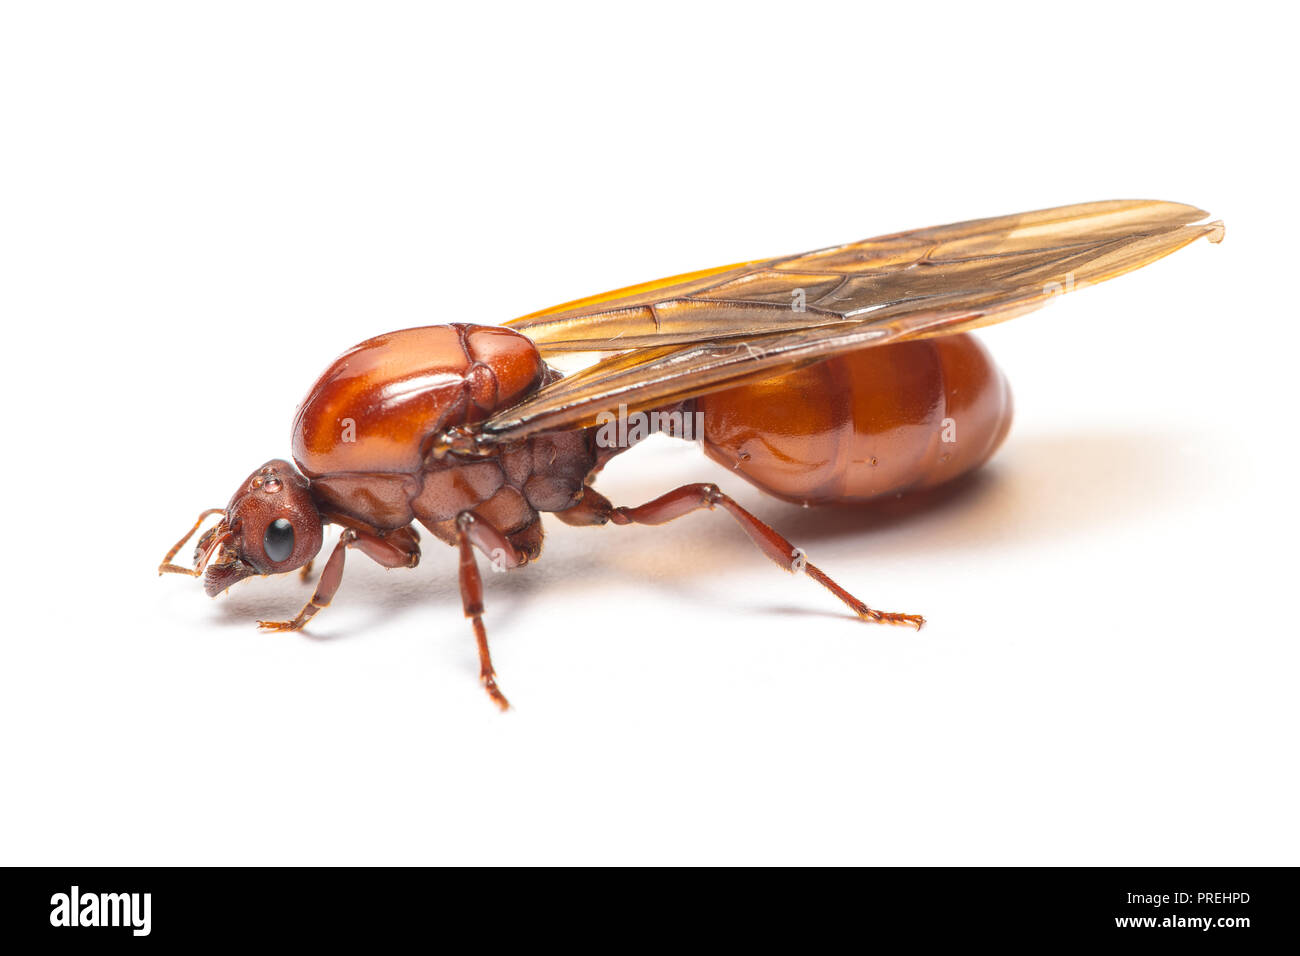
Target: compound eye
(278, 540)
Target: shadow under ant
(1040, 490)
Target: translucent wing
(695, 333)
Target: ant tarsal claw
(889, 617)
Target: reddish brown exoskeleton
(833, 377)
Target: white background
(203, 205)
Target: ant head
(270, 526)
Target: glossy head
(270, 526)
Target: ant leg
(473, 531)
(594, 509)
(304, 573)
(330, 579)
(397, 549)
